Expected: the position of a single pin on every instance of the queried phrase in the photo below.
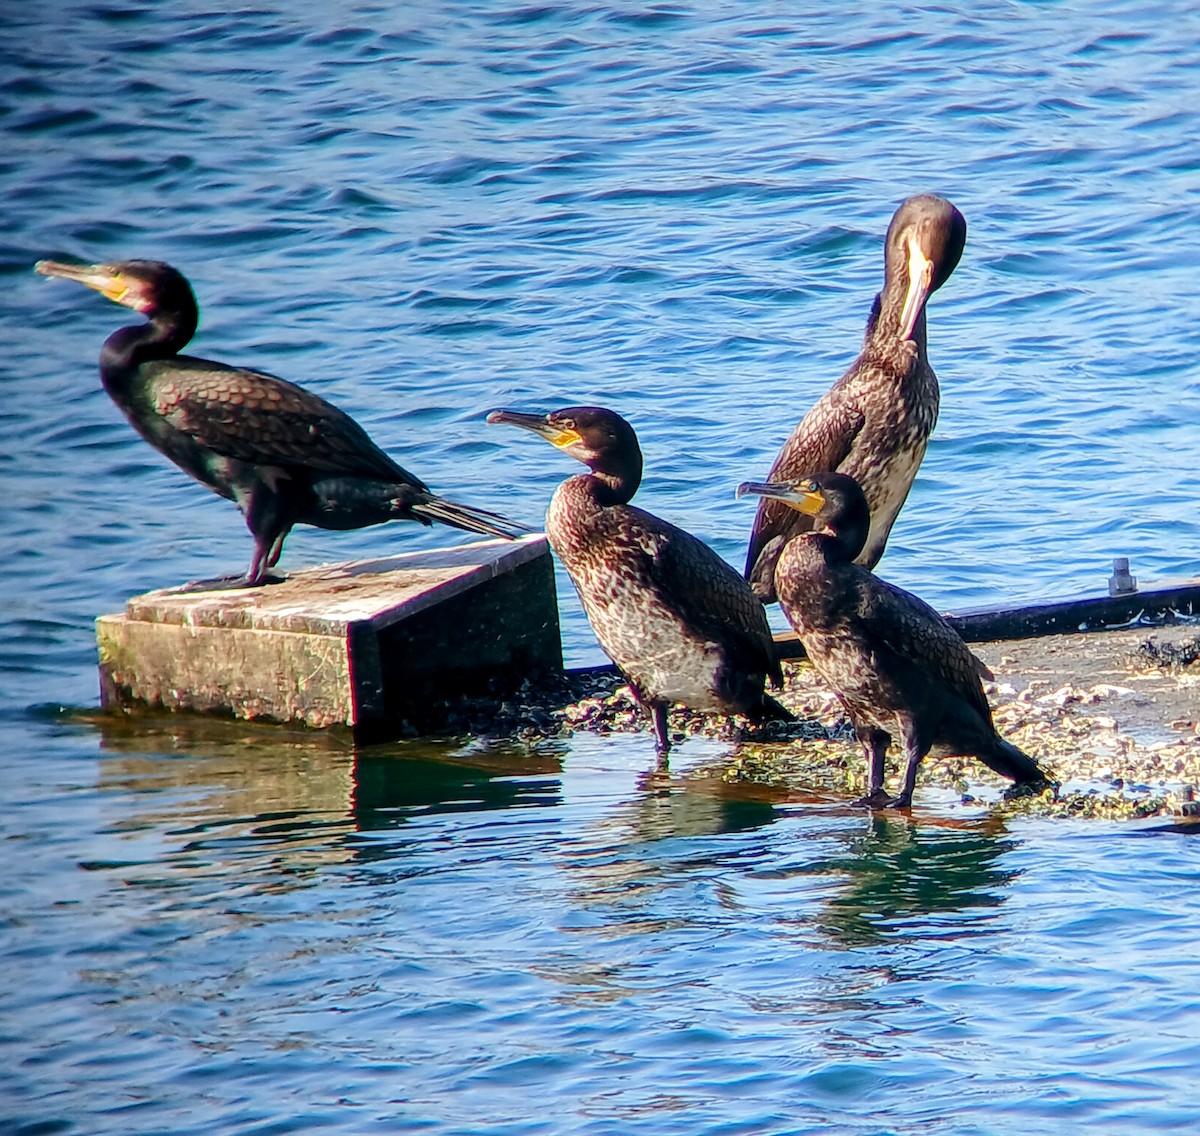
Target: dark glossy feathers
(896, 624)
(255, 417)
(677, 574)
(713, 599)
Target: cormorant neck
(884, 320)
(613, 488)
(841, 548)
(125, 350)
(616, 475)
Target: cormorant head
(147, 286)
(834, 501)
(924, 243)
(599, 438)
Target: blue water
(427, 210)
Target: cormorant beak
(793, 493)
(111, 284)
(538, 424)
(920, 283)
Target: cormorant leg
(875, 743)
(277, 549)
(269, 519)
(258, 562)
(914, 750)
(662, 744)
(658, 711)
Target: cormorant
(284, 455)
(874, 422)
(679, 622)
(898, 667)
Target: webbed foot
(227, 584)
(880, 800)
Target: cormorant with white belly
(679, 622)
(874, 422)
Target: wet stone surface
(599, 701)
(1114, 716)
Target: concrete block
(371, 644)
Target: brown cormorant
(874, 422)
(679, 622)
(899, 669)
(284, 455)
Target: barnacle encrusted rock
(1114, 716)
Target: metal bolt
(1121, 583)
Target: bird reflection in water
(900, 877)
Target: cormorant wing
(707, 593)
(918, 635)
(820, 443)
(258, 418)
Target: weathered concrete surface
(1126, 678)
(372, 645)
(279, 676)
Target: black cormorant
(900, 670)
(874, 422)
(679, 622)
(284, 455)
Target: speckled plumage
(678, 621)
(900, 670)
(874, 423)
(282, 453)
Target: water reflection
(284, 803)
(904, 875)
(392, 784)
(666, 806)
(868, 876)
(290, 801)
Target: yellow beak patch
(564, 438)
